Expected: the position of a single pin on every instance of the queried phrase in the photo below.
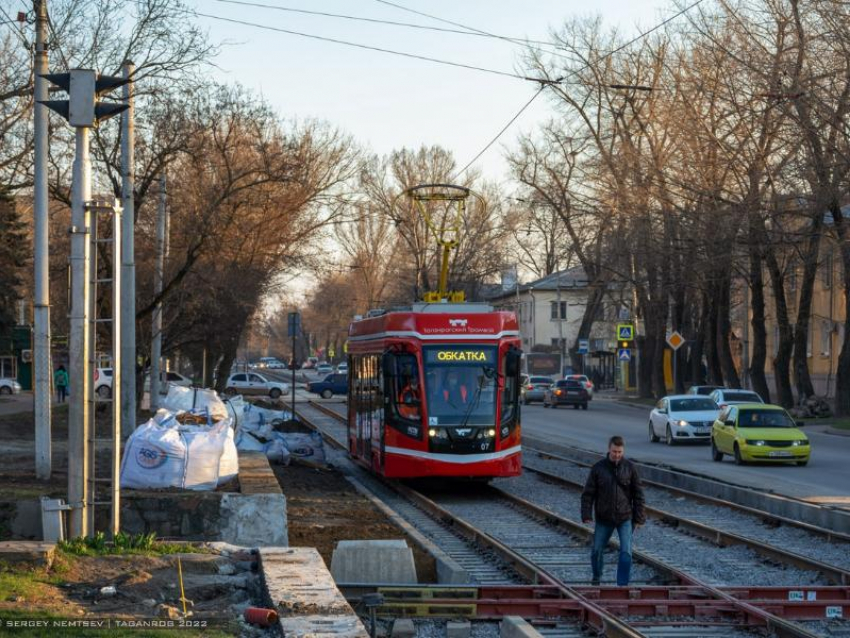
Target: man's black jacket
(615, 492)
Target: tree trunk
(724, 332)
(591, 310)
(782, 361)
(759, 358)
(842, 378)
(712, 359)
(804, 310)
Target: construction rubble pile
(192, 441)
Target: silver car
(682, 417)
(533, 388)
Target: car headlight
(800, 442)
(755, 442)
(682, 423)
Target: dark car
(567, 392)
(329, 386)
(533, 388)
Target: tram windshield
(460, 385)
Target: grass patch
(32, 583)
(124, 544)
(225, 631)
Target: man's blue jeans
(601, 535)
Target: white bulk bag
(154, 457)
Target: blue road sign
(625, 331)
(583, 346)
(624, 354)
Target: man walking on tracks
(614, 492)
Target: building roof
(568, 279)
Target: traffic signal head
(83, 87)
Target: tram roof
(437, 321)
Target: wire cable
(544, 84)
(363, 46)
(409, 25)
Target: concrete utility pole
(128, 260)
(156, 346)
(43, 368)
(560, 326)
(83, 112)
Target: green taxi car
(758, 432)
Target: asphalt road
(825, 479)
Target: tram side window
(405, 391)
(510, 391)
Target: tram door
(368, 402)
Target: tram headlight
(438, 433)
(491, 432)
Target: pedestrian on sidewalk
(613, 493)
(60, 380)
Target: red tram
(434, 391)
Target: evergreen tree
(14, 256)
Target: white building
(550, 312)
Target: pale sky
(387, 102)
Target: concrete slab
(299, 586)
(517, 627)
(458, 629)
(403, 628)
(34, 553)
(449, 571)
(373, 561)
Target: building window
(553, 310)
(825, 337)
(826, 269)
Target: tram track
(543, 546)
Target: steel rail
(828, 534)
(723, 538)
(753, 614)
(595, 613)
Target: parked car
(704, 389)
(566, 392)
(342, 368)
(102, 382)
(332, 384)
(251, 383)
(324, 368)
(533, 388)
(682, 417)
(727, 396)
(9, 386)
(582, 378)
(167, 379)
(758, 432)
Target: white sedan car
(682, 417)
(251, 383)
(9, 386)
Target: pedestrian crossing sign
(624, 354)
(625, 332)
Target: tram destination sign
(465, 356)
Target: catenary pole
(79, 341)
(128, 260)
(156, 346)
(43, 367)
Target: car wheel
(803, 463)
(575, 406)
(274, 393)
(326, 394)
(5, 390)
(668, 437)
(104, 392)
(653, 437)
(738, 459)
(584, 406)
(230, 392)
(545, 405)
(716, 455)
(526, 401)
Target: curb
(836, 431)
